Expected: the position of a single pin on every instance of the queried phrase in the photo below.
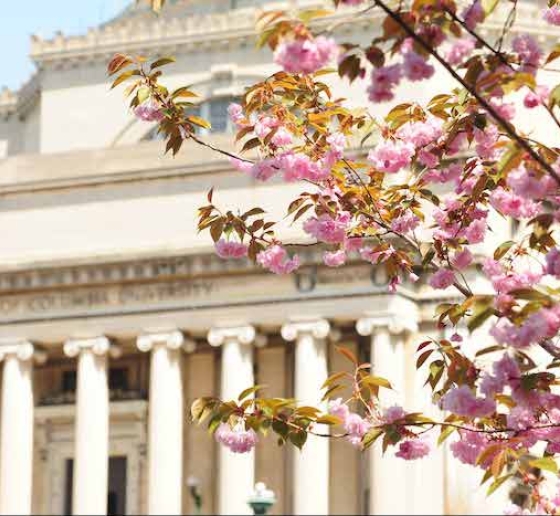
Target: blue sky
(21, 18)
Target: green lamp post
(261, 499)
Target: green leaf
(502, 249)
(371, 437)
(489, 6)
(554, 98)
(124, 76)
(251, 390)
(162, 62)
(376, 380)
(496, 484)
(200, 122)
(546, 463)
(445, 433)
(298, 438)
(183, 92)
(328, 419)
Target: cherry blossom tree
(418, 206)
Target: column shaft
(311, 464)
(165, 447)
(91, 462)
(16, 436)
(388, 361)
(237, 471)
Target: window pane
(219, 115)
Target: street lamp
(194, 489)
(262, 499)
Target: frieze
(158, 285)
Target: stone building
(115, 314)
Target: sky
(21, 18)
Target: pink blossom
(237, 440)
(456, 338)
(527, 184)
(393, 414)
(383, 80)
(264, 125)
(505, 110)
(352, 2)
(421, 133)
(337, 144)
(542, 324)
(486, 141)
(450, 174)
(299, 167)
(149, 111)
(552, 15)
(416, 67)
(463, 402)
(227, 249)
(508, 203)
(460, 50)
(282, 137)
(473, 14)
(475, 231)
(462, 259)
(275, 259)
(334, 258)
(405, 223)
(356, 427)
(528, 50)
(375, 256)
(443, 278)
(505, 372)
(265, 169)
(504, 282)
(235, 112)
(326, 229)
(537, 97)
(394, 282)
(427, 158)
(553, 262)
(305, 55)
(413, 449)
(470, 445)
(390, 156)
(339, 409)
(353, 244)
(241, 165)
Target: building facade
(115, 314)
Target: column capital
(23, 350)
(243, 334)
(98, 345)
(393, 323)
(172, 340)
(318, 328)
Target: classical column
(165, 427)
(237, 471)
(310, 465)
(91, 434)
(16, 432)
(389, 361)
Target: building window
(118, 379)
(214, 110)
(68, 381)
